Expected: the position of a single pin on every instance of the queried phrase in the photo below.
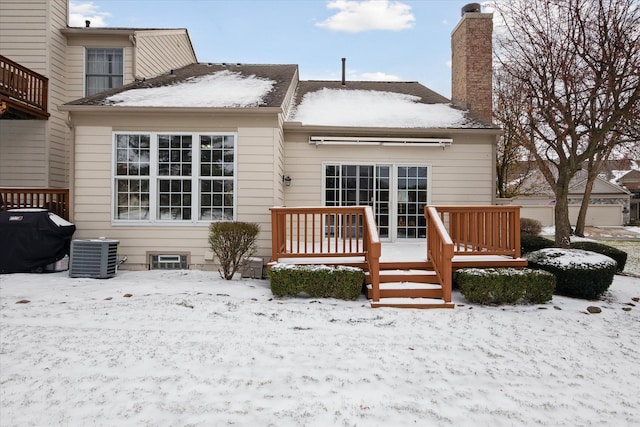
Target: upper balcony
(23, 93)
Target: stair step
(413, 275)
(407, 290)
(406, 285)
(412, 303)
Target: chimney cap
(471, 7)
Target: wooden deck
(410, 274)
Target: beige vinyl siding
(22, 153)
(76, 63)
(93, 184)
(58, 147)
(460, 174)
(158, 51)
(35, 153)
(23, 33)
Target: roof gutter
(111, 109)
(389, 131)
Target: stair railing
(439, 251)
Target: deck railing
(24, 89)
(327, 232)
(439, 251)
(483, 230)
(55, 200)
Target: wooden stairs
(408, 285)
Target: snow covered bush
(505, 285)
(579, 273)
(531, 243)
(232, 242)
(318, 281)
(530, 226)
(619, 256)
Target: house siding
(24, 31)
(157, 52)
(57, 141)
(34, 152)
(256, 139)
(76, 61)
(458, 173)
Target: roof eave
(364, 131)
(110, 109)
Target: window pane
(132, 155)
(174, 199)
(104, 68)
(216, 200)
(217, 154)
(174, 155)
(132, 199)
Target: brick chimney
(471, 62)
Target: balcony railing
(23, 93)
(55, 200)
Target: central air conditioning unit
(96, 259)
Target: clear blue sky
(382, 39)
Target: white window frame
(153, 177)
(84, 65)
(393, 189)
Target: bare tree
(512, 163)
(578, 63)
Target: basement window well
(168, 262)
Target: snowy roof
(204, 85)
(377, 104)
(316, 103)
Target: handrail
(29, 89)
(483, 230)
(55, 200)
(439, 251)
(327, 232)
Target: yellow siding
(158, 51)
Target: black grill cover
(31, 239)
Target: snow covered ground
(185, 348)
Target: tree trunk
(582, 214)
(563, 225)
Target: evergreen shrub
(619, 256)
(505, 285)
(531, 243)
(579, 273)
(317, 281)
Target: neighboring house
(45, 64)
(156, 161)
(631, 181)
(608, 205)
